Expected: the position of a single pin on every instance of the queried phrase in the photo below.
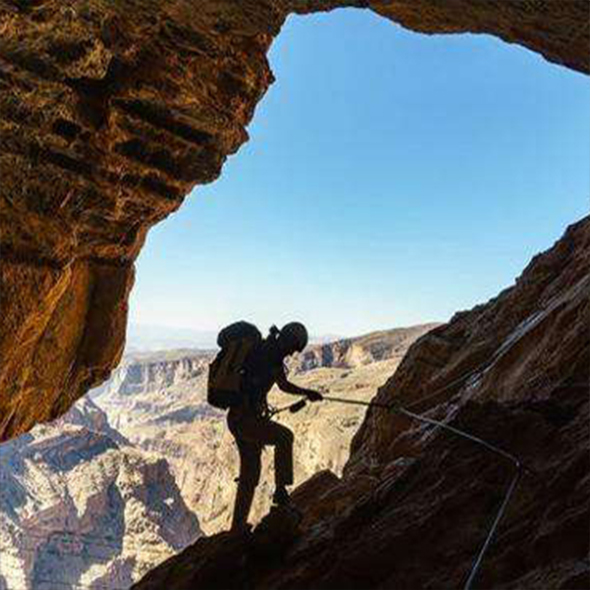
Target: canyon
(81, 507)
(139, 468)
(158, 401)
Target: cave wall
(110, 113)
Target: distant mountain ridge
(146, 338)
(359, 350)
(144, 370)
(339, 352)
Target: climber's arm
(288, 387)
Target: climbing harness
(396, 407)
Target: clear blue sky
(391, 178)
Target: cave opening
(409, 202)
(389, 181)
(390, 178)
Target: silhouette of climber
(250, 422)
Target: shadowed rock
(230, 560)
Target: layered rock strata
(415, 503)
(80, 507)
(110, 112)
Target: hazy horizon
(157, 337)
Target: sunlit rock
(79, 506)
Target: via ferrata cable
(458, 432)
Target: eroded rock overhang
(110, 113)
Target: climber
(250, 423)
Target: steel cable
(466, 435)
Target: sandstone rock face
(158, 401)
(110, 112)
(80, 507)
(415, 503)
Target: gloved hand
(314, 396)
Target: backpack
(226, 372)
